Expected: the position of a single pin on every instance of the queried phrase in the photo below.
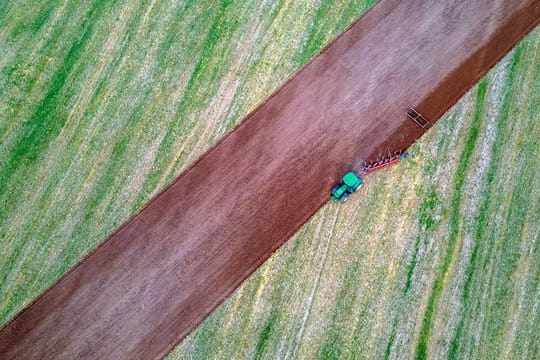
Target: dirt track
(150, 283)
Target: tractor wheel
(344, 197)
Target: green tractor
(350, 182)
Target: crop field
(104, 102)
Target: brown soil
(156, 278)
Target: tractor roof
(351, 179)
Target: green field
(105, 102)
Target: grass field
(105, 102)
